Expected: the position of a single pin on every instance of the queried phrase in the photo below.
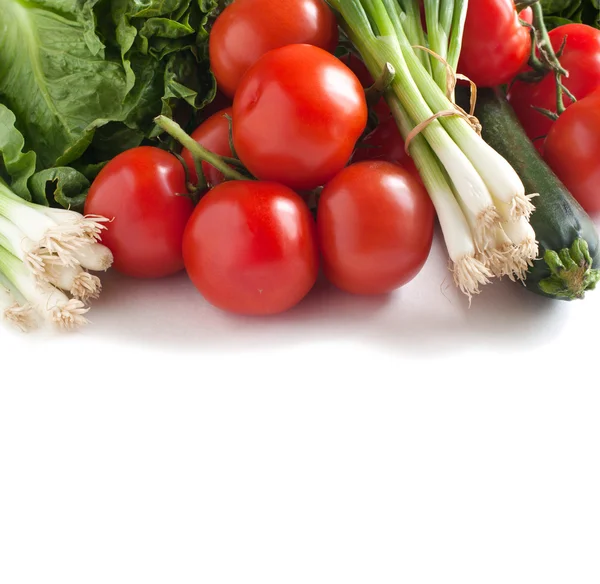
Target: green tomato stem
(198, 151)
(374, 93)
(230, 135)
(549, 60)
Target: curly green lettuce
(82, 80)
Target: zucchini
(569, 258)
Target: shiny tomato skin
(572, 150)
(536, 125)
(527, 15)
(495, 44)
(581, 58)
(375, 227)
(250, 248)
(213, 134)
(385, 143)
(142, 192)
(584, 78)
(297, 116)
(580, 37)
(247, 29)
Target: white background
(403, 439)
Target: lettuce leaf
(16, 166)
(63, 185)
(559, 12)
(59, 92)
(82, 80)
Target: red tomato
(535, 124)
(357, 66)
(213, 134)
(495, 44)
(297, 116)
(141, 190)
(527, 15)
(375, 228)
(366, 80)
(385, 143)
(581, 58)
(580, 37)
(247, 29)
(250, 248)
(573, 151)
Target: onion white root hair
(70, 315)
(21, 316)
(469, 274)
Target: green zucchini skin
(561, 225)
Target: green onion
(13, 312)
(49, 302)
(44, 257)
(480, 201)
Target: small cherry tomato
(573, 151)
(213, 134)
(250, 248)
(297, 116)
(495, 44)
(247, 29)
(143, 191)
(375, 228)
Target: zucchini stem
(571, 272)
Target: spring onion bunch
(45, 255)
(480, 200)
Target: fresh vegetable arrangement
(254, 142)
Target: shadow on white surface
(426, 315)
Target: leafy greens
(82, 80)
(559, 12)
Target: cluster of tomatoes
(297, 113)
(496, 50)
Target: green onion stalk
(46, 256)
(480, 200)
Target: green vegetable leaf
(163, 31)
(57, 89)
(182, 83)
(557, 6)
(83, 80)
(16, 166)
(556, 21)
(64, 185)
(559, 12)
